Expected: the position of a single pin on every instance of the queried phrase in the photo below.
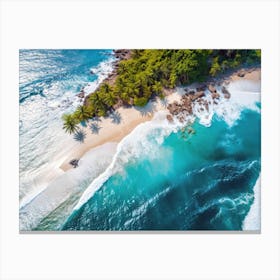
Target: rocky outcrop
(174, 108)
(122, 53)
(180, 110)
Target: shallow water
(202, 181)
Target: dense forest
(147, 72)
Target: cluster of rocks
(122, 53)
(184, 108)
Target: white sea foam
(142, 141)
(63, 188)
(37, 115)
(253, 218)
(244, 95)
(102, 71)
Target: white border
(130, 24)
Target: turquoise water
(160, 178)
(202, 181)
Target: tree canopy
(148, 71)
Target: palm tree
(157, 87)
(110, 98)
(122, 68)
(70, 124)
(82, 113)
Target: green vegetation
(148, 72)
(70, 124)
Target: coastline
(112, 130)
(130, 117)
(85, 154)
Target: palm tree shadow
(94, 127)
(116, 117)
(80, 136)
(83, 123)
(96, 119)
(147, 109)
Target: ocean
(49, 82)
(159, 177)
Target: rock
(241, 73)
(201, 87)
(169, 118)
(190, 130)
(186, 102)
(74, 162)
(181, 119)
(122, 53)
(212, 89)
(81, 94)
(198, 95)
(225, 92)
(215, 95)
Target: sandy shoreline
(111, 131)
(129, 118)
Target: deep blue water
(200, 182)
